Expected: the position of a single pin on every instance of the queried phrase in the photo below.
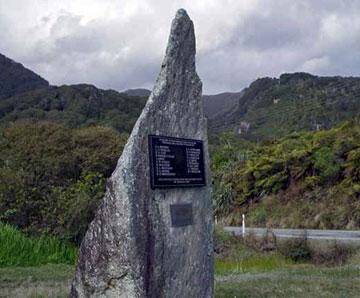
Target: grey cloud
(284, 37)
(267, 32)
(237, 42)
(97, 53)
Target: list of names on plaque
(176, 162)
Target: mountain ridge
(74, 106)
(275, 107)
(267, 108)
(15, 78)
(221, 103)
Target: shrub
(259, 216)
(336, 254)
(252, 241)
(223, 241)
(326, 164)
(296, 249)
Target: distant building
(276, 100)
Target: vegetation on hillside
(52, 178)
(309, 180)
(74, 106)
(57, 147)
(59, 144)
(270, 108)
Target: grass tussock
(336, 254)
(17, 249)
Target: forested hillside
(304, 180)
(287, 154)
(57, 147)
(271, 108)
(74, 106)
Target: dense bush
(311, 168)
(52, 178)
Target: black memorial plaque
(181, 215)
(176, 162)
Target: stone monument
(152, 234)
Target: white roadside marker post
(243, 225)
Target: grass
(296, 282)
(17, 249)
(52, 280)
(44, 273)
(260, 263)
(236, 257)
(242, 270)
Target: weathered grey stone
(131, 249)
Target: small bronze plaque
(181, 215)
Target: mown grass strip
(340, 281)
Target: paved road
(341, 235)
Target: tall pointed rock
(132, 249)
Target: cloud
(120, 44)
(318, 65)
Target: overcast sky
(119, 44)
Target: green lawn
(296, 282)
(50, 281)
